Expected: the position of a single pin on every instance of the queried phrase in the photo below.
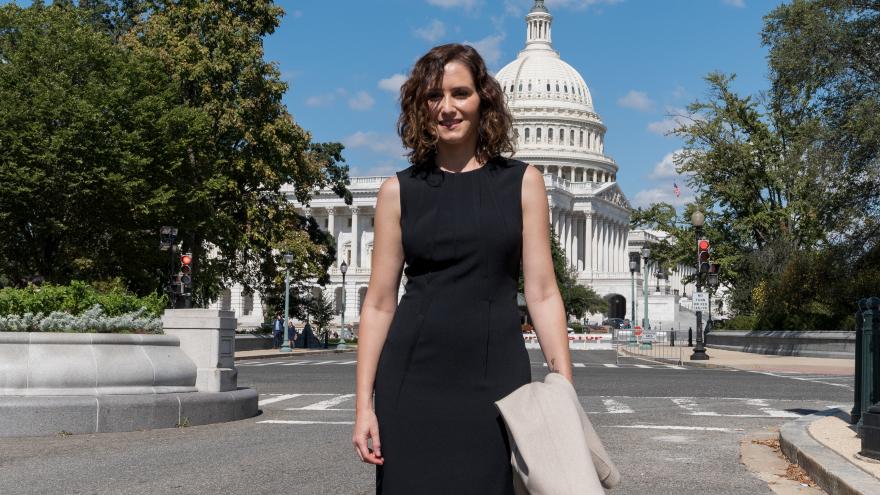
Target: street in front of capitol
(670, 429)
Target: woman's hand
(366, 426)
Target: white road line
(769, 373)
(349, 362)
(676, 367)
(267, 364)
(688, 405)
(610, 365)
(277, 399)
(322, 362)
(615, 407)
(579, 365)
(325, 404)
(671, 427)
(642, 366)
(765, 408)
(296, 363)
(292, 422)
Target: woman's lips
(451, 124)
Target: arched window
(511, 87)
(566, 88)
(538, 135)
(550, 136)
(571, 137)
(528, 138)
(515, 135)
(520, 86)
(530, 85)
(548, 86)
(581, 142)
(557, 87)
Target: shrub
(77, 298)
(93, 320)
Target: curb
(295, 354)
(827, 468)
(684, 362)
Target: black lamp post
(633, 269)
(699, 354)
(342, 268)
(288, 259)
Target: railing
(669, 347)
(866, 409)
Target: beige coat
(554, 448)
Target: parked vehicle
(615, 323)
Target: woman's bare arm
(380, 302)
(542, 293)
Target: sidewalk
(719, 358)
(276, 353)
(824, 444)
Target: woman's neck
(456, 158)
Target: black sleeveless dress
(454, 345)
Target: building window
(538, 135)
(349, 221)
(520, 86)
(581, 140)
(326, 222)
(557, 87)
(527, 135)
(549, 136)
(565, 88)
(561, 136)
(530, 85)
(571, 137)
(511, 87)
(548, 86)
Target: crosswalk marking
(542, 364)
(671, 427)
(642, 366)
(324, 404)
(579, 365)
(277, 399)
(615, 407)
(610, 365)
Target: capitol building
(559, 131)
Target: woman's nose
(446, 105)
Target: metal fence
(669, 347)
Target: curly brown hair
(416, 125)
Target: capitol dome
(555, 125)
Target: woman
(462, 217)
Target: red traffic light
(703, 244)
(186, 259)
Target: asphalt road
(671, 430)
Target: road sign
(701, 301)
(649, 337)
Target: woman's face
(455, 106)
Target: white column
(355, 238)
(603, 253)
(331, 220)
(554, 220)
(578, 242)
(568, 252)
(589, 250)
(617, 237)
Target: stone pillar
(355, 238)
(600, 229)
(331, 220)
(207, 336)
(578, 242)
(589, 250)
(566, 242)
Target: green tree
(321, 312)
(166, 114)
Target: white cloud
(384, 144)
(647, 197)
(665, 168)
(637, 100)
(677, 117)
(489, 48)
(326, 99)
(579, 4)
(361, 101)
(432, 32)
(393, 83)
(448, 4)
(735, 3)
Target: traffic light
(703, 255)
(186, 260)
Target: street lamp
(633, 269)
(699, 354)
(288, 259)
(342, 268)
(646, 253)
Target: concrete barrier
(91, 383)
(824, 344)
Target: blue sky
(643, 61)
